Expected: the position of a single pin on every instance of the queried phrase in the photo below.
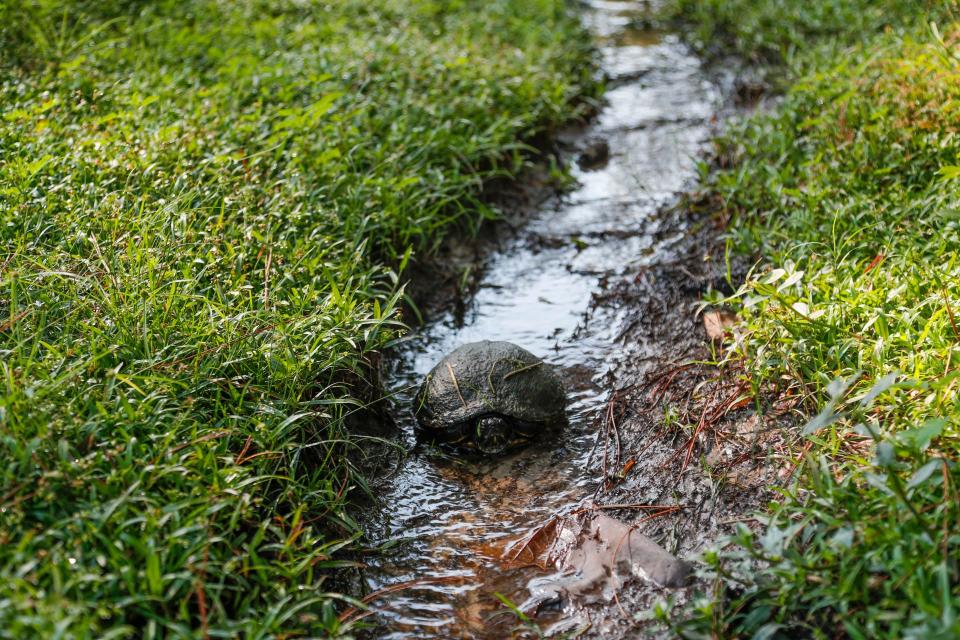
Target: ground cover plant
(791, 33)
(849, 191)
(205, 210)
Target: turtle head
(493, 435)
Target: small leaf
(949, 172)
(839, 386)
(823, 419)
(923, 473)
(863, 430)
(882, 385)
(920, 437)
(886, 454)
(774, 275)
(154, 580)
(878, 481)
(756, 616)
(842, 539)
(406, 259)
(794, 278)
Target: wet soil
(604, 282)
(678, 431)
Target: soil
(678, 431)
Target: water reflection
(450, 517)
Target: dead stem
(266, 280)
(521, 370)
(610, 426)
(710, 415)
(456, 385)
(602, 507)
(14, 320)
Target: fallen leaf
(718, 322)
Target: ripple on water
(449, 518)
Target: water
(450, 518)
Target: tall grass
(849, 191)
(205, 211)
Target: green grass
(205, 211)
(850, 191)
(788, 32)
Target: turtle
(489, 397)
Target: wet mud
(581, 532)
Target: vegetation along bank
(206, 211)
(848, 190)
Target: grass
(786, 33)
(850, 191)
(205, 210)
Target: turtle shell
(489, 378)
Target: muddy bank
(676, 434)
(603, 282)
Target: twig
(6, 326)
(708, 417)
(600, 507)
(266, 280)
(456, 385)
(667, 372)
(521, 370)
(610, 422)
(612, 418)
(243, 452)
(874, 263)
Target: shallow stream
(448, 519)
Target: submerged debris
(594, 556)
(594, 155)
